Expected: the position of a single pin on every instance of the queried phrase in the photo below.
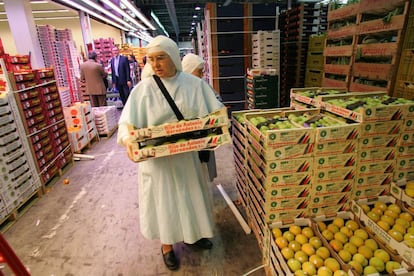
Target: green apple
(390, 266)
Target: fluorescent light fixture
(55, 18)
(121, 11)
(106, 12)
(154, 16)
(50, 11)
(89, 11)
(134, 9)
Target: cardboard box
(366, 114)
(312, 95)
(376, 168)
(399, 247)
(369, 191)
(211, 142)
(346, 216)
(275, 138)
(369, 129)
(373, 179)
(335, 161)
(336, 147)
(290, 165)
(334, 174)
(397, 190)
(376, 154)
(280, 151)
(217, 119)
(406, 139)
(379, 141)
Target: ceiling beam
(173, 16)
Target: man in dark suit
(121, 76)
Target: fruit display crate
(213, 120)
(311, 95)
(299, 235)
(355, 248)
(208, 132)
(402, 190)
(393, 237)
(386, 108)
(276, 137)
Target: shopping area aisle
(90, 226)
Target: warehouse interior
(314, 149)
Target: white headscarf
(164, 44)
(147, 71)
(192, 62)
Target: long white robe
(174, 198)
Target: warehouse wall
(98, 30)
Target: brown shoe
(170, 261)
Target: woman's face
(161, 64)
(199, 72)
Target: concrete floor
(90, 226)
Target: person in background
(121, 75)
(93, 74)
(194, 65)
(175, 202)
(134, 69)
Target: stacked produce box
(339, 48)
(106, 120)
(36, 106)
(404, 85)
(364, 43)
(356, 147)
(81, 126)
(60, 52)
(203, 133)
(103, 48)
(378, 44)
(296, 26)
(279, 169)
(239, 140)
(266, 50)
(314, 61)
(262, 88)
(18, 180)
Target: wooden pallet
(20, 210)
(56, 176)
(88, 145)
(109, 134)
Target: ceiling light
(154, 16)
(197, 8)
(94, 14)
(50, 11)
(122, 12)
(195, 16)
(55, 18)
(134, 9)
(105, 11)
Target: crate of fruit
(311, 95)
(328, 127)
(299, 249)
(272, 129)
(213, 120)
(389, 222)
(404, 191)
(368, 106)
(355, 247)
(180, 144)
